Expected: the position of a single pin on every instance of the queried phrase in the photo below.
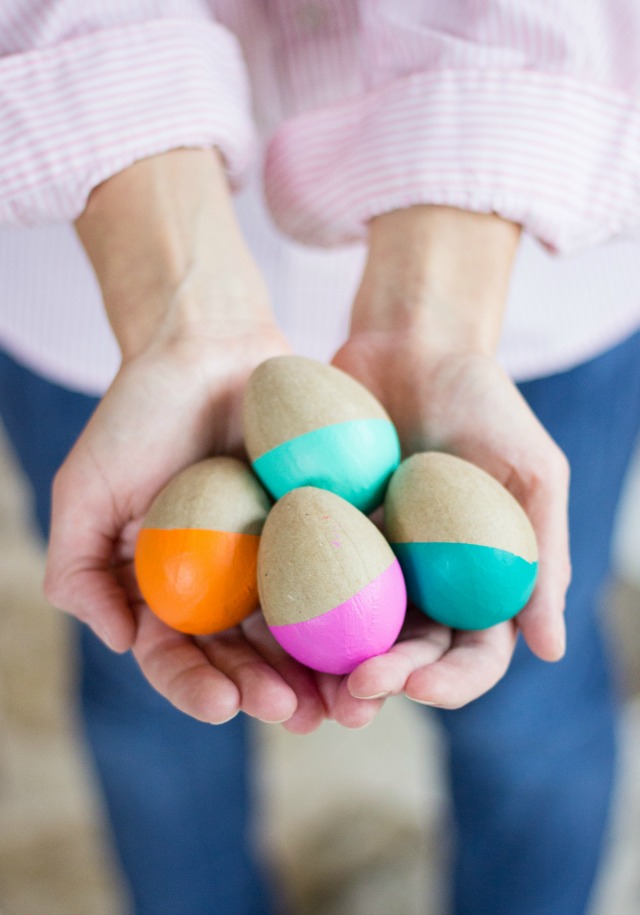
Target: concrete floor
(369, 840)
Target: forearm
(438, 273)
(168, 253)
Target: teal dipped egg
(311, 424)
(465, 544)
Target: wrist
(168, 254)
(438, 274)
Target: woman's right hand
(191, 313)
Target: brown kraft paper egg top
(288, 396)
(317, 551)
(219, 493)
(436, 497)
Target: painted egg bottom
(464, 585)
(353, 459)
(364, 626)
(198, 581)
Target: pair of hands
(190, 311)
(168, 410)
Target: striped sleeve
(75, 112)
(544, 141)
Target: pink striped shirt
(349, 108)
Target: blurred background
(369, 840)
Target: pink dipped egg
(330, 586)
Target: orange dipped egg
(197, 551)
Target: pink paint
(364, 626)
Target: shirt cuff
(557, 156)
(74, 114)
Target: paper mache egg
(310, 424)
(197, 551)
(466, 547)
(331, 589)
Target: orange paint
(198, 581)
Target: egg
(310, 424)
(330, 587)
(197, 551)
(466, 547)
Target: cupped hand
(191, 314)
(168, 407)
(463, 403)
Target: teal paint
(464, 585)
(353, 459)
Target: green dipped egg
(310, 424)
(466, 547)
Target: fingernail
(101, 632)
(225, 720)
(275, 720)
(425, 702)
(359, 727)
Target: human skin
(425, 329)
(191, 314)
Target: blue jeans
(531, 764)
(177, 791)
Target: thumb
(80, 575)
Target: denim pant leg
(532, 763)
(177, 790)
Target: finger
(340, 705)
(351, 712)
(90, 591)
(472, 666)
(264, 694)
(328, 686)
(310, 711)
(78, 576)
(178, 669)
(386, 675)
(542, 620)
